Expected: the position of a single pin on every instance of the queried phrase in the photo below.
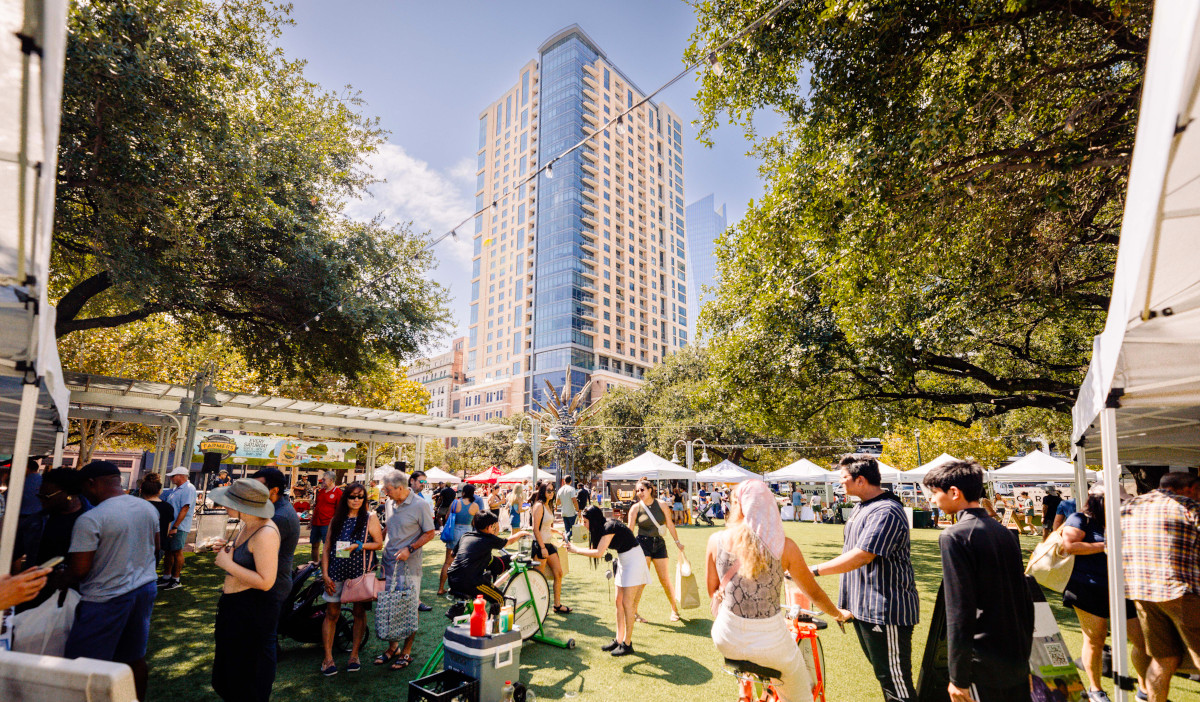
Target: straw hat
(247, 496)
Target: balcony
(589, 244)
(588, 166)
(589, 221)
(589, 205)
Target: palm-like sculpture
(563, 416)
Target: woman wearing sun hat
(244, 660)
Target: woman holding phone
(244, 659)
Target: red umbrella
(490, 476)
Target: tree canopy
(202, 176)
(942, 203)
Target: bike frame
(753, 688)
(516, 568)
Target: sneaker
(163, 580)
(329, 670)
(623, 650)
(1098, 696)
(422, 607)
(171, 584)
(610, 646)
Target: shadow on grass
(678, 670)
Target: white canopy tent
(1037, 467)
(917, 475)
(32, 397)
(650, 466)
(1141, 395)
(802, 471)
(726, 472)
(525, 474)
(437, 475)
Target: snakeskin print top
(750, 598)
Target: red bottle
(479, 617)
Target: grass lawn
(672, 659)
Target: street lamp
(534, 432)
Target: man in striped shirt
(877, 584)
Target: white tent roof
(802, 471)
(650, 466)
(726, 472)
(918, 474)
(1037, 467)
(888, 474)
(1146, 362)
(524, 474)
(437, 475)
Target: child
(989, 613)
(474, 569)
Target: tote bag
(1049, 565)
(396, 610)
(685, 584)
(44, 629)
(448, 529)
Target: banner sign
(281, 450)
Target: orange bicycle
(754, 681)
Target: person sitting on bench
(474, 568)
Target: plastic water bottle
(506, 694)
(479, 617)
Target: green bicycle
(529, 592)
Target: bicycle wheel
(536, 591)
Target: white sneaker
(1098, 696)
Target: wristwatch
(816, 571)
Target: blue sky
(427, 69)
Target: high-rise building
(441, 375)
(579, 273)
(704, 225)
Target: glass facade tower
(704, 225)
(580, 274)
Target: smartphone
(52, 562)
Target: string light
(621, 125)
(715, 64)
(550, 171)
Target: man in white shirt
(567, 502)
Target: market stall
(526, 474)
(726, 472)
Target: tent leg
(1112, 520)
(370, 463)
(16, 480)
(1080, 476)
(420, 453)
(60, 441)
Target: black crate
(446, 686)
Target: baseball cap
(98, 469)
(179, 470)
(272, 477)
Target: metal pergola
(158, 405)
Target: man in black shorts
(475, 568)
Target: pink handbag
(366, 587)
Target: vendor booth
(526, 474)
(618, 480)
(1140, 400)
(437, 475)
(726, 472)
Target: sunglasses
(356, 497)
(47, 497)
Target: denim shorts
(317, 534)
(177, 541)
(113, 630)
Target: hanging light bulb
(520, 440)
(552, 436)
(704, 456)
(550, 170)
(494, 204)
(305, 327)
(675, 457)
(317, 318)
(621, 124)
(715, 65)
(288, 336)
(339, 307)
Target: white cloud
(432, 200)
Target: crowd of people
(114, 543)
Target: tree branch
(71, 304)
(62, 328)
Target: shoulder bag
(662, 530)
(448, 528)
(1049, 565)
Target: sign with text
(282, 450)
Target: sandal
(401, 662)
(675, 616)
(561, 609)
(640, 619)
(384, 658)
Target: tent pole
(16, 479)
(60, 441)
(420, 453)
(1080, 476)
(370, 462)
(1112, 536)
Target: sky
(427, 69)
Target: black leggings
(244, 659)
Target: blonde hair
(750, 551)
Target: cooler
(491, 659)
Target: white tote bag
(44, 628)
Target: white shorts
(632, 569)
(768, 643)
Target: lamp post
(918, 434)
(534, 436)
(200, 393)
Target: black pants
(1016, 693)
(244, 659)
(889, 649)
